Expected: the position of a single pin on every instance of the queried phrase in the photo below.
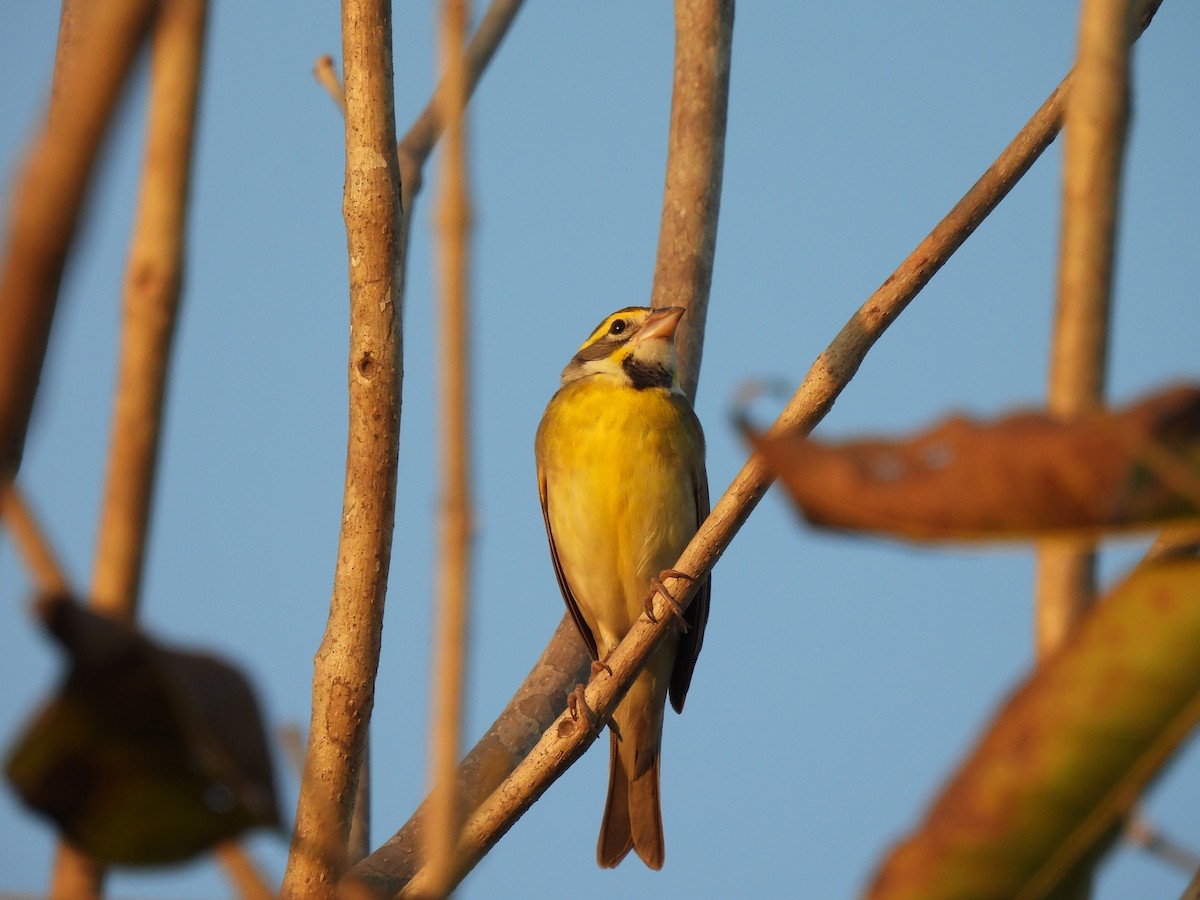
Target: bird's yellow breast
(619, 469)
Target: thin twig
(153, 280)
(346, 663)
(29, 538)
(74, 875)
(47, 201)
(1192, 891)
(358, 842)
(1097, 116)
(1142, 833)
(66, 52)
(453, 219)
(291, 743)
(326, 76)
(418, 142)
(241, 872)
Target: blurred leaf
(1027, 475)
(146, 755)
(1068, 754)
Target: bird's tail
(632, 813)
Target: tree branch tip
(326, 75)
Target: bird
(623, 488)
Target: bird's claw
(673, 607)
(577, 706)
(598, 666)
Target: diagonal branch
(422, 136)
(346, 663)
(48, 199)
(392, 866)
(27, 535)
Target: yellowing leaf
(1028, 475)
(1069, 752)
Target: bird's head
(635, 345)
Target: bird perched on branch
(620, 461)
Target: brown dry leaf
(146, 755)
(1069, 752)
(1027, 475)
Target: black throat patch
(646, 375)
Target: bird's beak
(661, 324)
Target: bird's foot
(577, 706)
(673, 607)
(601, 665)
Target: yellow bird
(620, 461)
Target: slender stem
(453, 224)
(416, 145)
(1097, 119)
(29, 538)
(326, 76)
(75, 875)
(66, 52)
(1143, 834)
(346, 663)
(687, 237)
(242, 873)
(358, 843)
(48, 197)
(153, 280)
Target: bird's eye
(618, 326)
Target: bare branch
(1097, 118)
(346, 663)
(242, 873)
(453, 217)
(324, 72)
(416, 145)
(75, 875)
(687, 237)
(29, 538)
(1143, 834)
(48, 198)
(516, 730)
(153, 281)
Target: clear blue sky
(841, 679)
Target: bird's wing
(572, 604)
(696, 614)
